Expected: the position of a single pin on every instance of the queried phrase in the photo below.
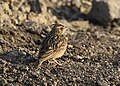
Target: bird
(53, 45)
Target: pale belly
(60, 52)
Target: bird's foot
(37, 66)
(57, 62)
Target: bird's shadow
(17, 57)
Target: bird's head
(58, 29)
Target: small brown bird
(54, 44)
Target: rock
(18, 17)
(35, 6)
(115, 23)
(116, 31)
(43, 18)
(79, 57)
(21, 16)
(3, 16)
(70, 46)
(25, 8)
(5, 6)
(80, 24)
(104, 11)
(85, 7)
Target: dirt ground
(92, 57)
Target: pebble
(79, 57)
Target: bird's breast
(60, 51)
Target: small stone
(27, 68)
(80, 24)
(79, 57)
(119, 69)
(70, 46)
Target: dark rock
(104, 11)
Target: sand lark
(54, 44)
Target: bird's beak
(66, 28)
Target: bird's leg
(56, 62)
(40, 63)
(50, 61)
(41, 60)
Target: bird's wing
(51, 45)
(46, 46)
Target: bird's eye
(61, 28)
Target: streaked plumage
(54, 45)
